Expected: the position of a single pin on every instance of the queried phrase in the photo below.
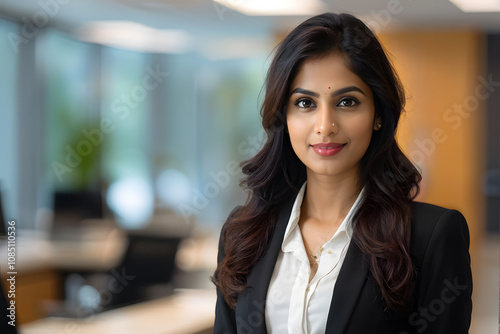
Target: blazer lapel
(252, 301)
(347, 289)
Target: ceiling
(206, 20)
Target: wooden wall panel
(443, 130)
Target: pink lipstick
(327, 149)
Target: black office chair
(145, 272)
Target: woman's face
(326, 92)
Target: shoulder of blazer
(440, 254)
(425, 218)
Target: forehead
(330, 70)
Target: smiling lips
(327, 149)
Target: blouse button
(330, 252)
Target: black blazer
(441, 302)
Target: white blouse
(294, 305)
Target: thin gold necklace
(314, 258)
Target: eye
(304, 103)
(348, 102)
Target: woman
(330, 239)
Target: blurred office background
(123, 122)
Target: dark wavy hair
(382, 224)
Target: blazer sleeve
(445, 288)
(225, 322)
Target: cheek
(298, 136)
(296, 129)
(359, 129)
(363, 132)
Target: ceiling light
(470, 6)
(274, 7)
(235, 48)
(135, 36)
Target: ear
(377, 124)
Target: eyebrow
(340, 91)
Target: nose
(324, 121)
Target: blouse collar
(345, 226)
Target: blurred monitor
(71, 208)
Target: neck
(329, 199)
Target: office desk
(100, 250)
(40, 261)
(185, 312)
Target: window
(8, 122)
